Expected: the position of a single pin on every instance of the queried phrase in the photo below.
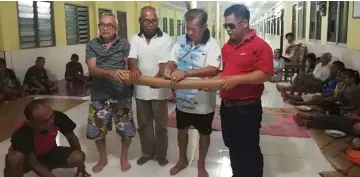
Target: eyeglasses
(153, 22)
(231, 26)
(108, 26)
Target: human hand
(82, 172)
(119, 75)
(178, 76)
(167, 73)
(134, 75)
(229, 83)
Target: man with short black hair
(248, 63)
(74, 73)
(195, 55)
(33, 144)
(36, 79)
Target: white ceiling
(257, 8)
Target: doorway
(122, 30)
(293, 27)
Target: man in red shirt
(248, 63)
(33, 144)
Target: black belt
(233, 103)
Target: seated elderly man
(329, 88)
(311, 83)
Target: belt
(233, 103)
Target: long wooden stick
(184, 84)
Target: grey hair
(327, 55)
(196, 13)
(109, 14)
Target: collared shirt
(149, 56)
(252, 54)
(189, 57)
(108, 58)
(321, 72)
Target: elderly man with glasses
(149, 53)
(110, 96)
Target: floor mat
(276, 122)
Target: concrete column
(193, 4)
(217, 20)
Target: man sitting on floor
(74, 73)
(33, 145)
(36, 79)
(10, 87)
(335, 70)
(311, 83)
(345, 122)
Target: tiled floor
(284, 157)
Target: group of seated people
(36, 80)
(336, 97)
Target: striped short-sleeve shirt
(108, 58)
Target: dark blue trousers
(241, 133)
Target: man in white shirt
(149, 53)
(196, 55)
(314, 82)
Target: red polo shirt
(251, 54)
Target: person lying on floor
(344, 122)
(327, 91)
(311, 83)
(348, 99)
(279, 65)
(36, 79)
(33, 145)
(10, 87)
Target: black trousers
(241, 133)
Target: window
(268, 26)
(171, 25)
(183, 27)
(165, 27)
(301, 19)
(178, 27)
(278, 26)
(101, 11)
(36, 27)
(315, 22)
(77, 24)
(337, 24)
(213, 31)
(273, 23)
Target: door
(293, 28)
(122, 30)
(282, 29)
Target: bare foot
(99, 166)
(125, 165)
(178, 167)
(202, 172)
